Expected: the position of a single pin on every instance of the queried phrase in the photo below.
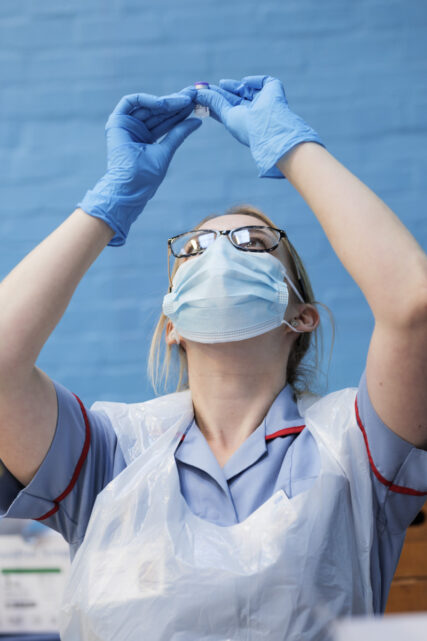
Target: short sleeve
(83, 457)
(399, 469)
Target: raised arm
(34, 296)
(390, 268)
(373, 245)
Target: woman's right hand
(137, 163)
(35, 295)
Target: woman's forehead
(231, 221)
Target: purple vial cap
(200, 84)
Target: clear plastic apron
(150, 570)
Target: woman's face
(233, 221)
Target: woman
(295, 508)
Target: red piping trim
(399, 489)
(78, 467)
(285, 432)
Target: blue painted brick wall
(357, 71)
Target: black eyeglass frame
(227, 232)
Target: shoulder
(138, 425)
(336, 408)
(332, 421)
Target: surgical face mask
(228, 295)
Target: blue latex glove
(137, 163)
(256, 112)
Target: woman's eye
(251, 239)
(192, 246)
(256, 243)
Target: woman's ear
(307, 318)
(172, 336)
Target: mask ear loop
(294, 288)
(292, 324)
(299, 277)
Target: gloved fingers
(247, 87)
(178, 134)
(172, 103)
(230, 85)
(135, 101)
(154, 120)
(121, 129)
(256, 82)
(273, 90)
(218, 104)
(141, 113)
(159, 126)
(132, 103)
(150, 115)
(231, 97)
(190, 91)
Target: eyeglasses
(251, 238)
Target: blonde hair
(308, 346)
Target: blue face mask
(227, 295)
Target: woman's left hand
(255, 111)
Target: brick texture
(357, 71)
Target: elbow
(420, 303)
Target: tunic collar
(282, 419)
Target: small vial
(199, 110)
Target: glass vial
(199, 110)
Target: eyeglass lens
(192, 243)
(247, 238)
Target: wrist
(290, 133)
(307, 151)
(103, 230)
(117, 213)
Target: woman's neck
(233, 386)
